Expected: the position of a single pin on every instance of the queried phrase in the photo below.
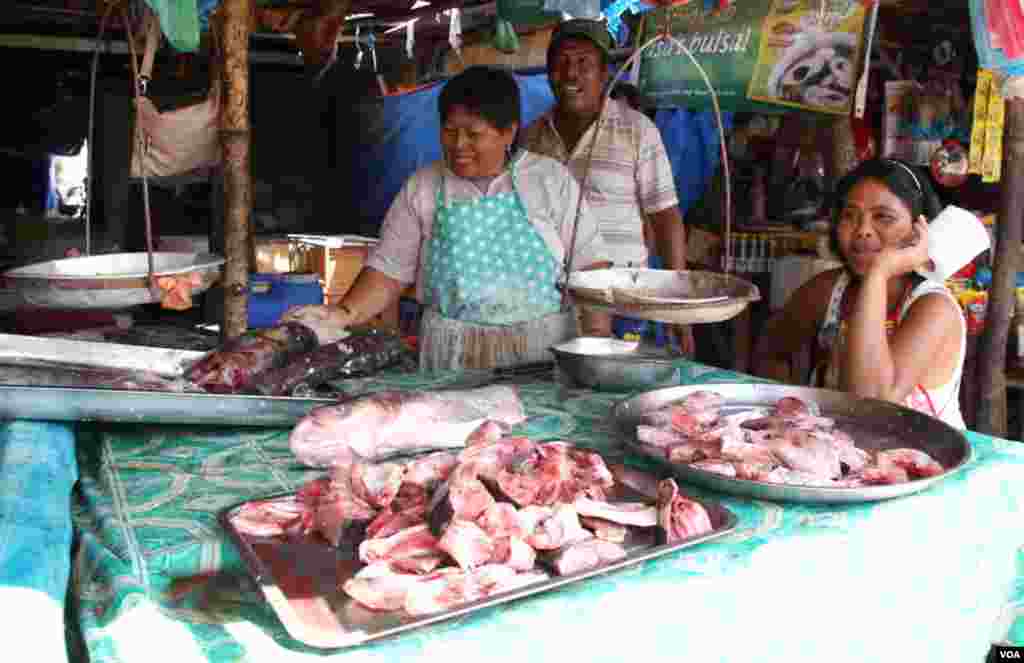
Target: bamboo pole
(991, 417)
(235, 141)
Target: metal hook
(359, 50)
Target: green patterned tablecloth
(933, 577)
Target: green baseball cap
(582, 28)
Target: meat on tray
(435, 531)
(402, 422)
(234, 366)
(788, 444)
(357, 354)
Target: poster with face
(810, 55)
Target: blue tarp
(399, 134)
(691, 140)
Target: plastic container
(270, 295)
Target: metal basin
(608, 364)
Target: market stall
(935, 575)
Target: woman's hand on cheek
(911, 254)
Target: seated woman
(881, 330)
(483, 234)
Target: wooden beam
(235, 142)
(992, 347)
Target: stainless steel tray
(301, 581)
(131, 406)
(874, 425)
(18, 348)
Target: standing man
(630, 176)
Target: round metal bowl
(873, 424)
(108, 281)
(608, 364)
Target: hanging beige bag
(177, 142)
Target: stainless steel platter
(130, 406)
(873, 424)
(301, 581)
(21, 349)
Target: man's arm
(670, 237)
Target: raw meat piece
(453, 589)
(392, 422)
(422, 477)
(722, 467)
(693, 450)
(583, 556)
(657, 418)
(467, 544)
(232, 367)
(269, 517)
(530, 517)
(501, 520)
(624, 513)
(463, 497)
(789, 406)
(917, 463)
(798, 422)
(488, 433)
(412, 541)
(636, 480)
(753, 471)
(378, 484)
(431, 470)
(876, 475)
(702, 401)
(660, 437)
(514, 553)
(379, 587)
(389, 521)
(679, 518)
(338, 515)
(605, 530)
(687, 423)
(419, 564)
(746, 452)
(562, 528)
(798, 478)
(804, 451)
(358, 354)
(507, 453)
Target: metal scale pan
(108, 281)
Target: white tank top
(942, 402)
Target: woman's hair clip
(908, 169)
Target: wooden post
(841, 155)
(235, 141)
(991, 418)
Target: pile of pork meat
(787, 444)
(442, 528)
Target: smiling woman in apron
(877, 329)
(484, 235)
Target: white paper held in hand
(955, 238)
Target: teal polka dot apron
(489, 277)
